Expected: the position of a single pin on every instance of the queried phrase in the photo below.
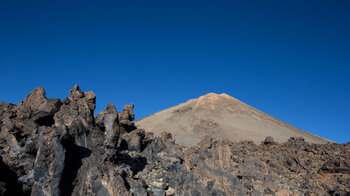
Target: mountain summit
(222, 117)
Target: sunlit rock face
(222, 117)
(58, 147)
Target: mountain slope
(222, 117)
(58, 147)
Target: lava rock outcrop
(58, 147)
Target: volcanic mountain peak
(213, 98)
(220, 116)
(212, 102)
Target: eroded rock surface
(54, 147)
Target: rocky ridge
(58, 147)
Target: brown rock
(170, 192)
(80, 154)
(283, 193)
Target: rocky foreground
(58, 147)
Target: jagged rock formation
(220, 116)
(54, 147)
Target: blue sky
(290, 59)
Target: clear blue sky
(290, 59)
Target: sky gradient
(290, 59)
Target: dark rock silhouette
(54, 147)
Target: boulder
(135, 140)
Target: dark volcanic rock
(134, 141)
(38, 107)
(126, 117)
(54, 147)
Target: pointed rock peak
(76, 87)
(111, 108)
(89, 97)
(36, 95)
(128, 112)
(128, 106)
(76, 93)
(40, 91)
(38, 107)
(126, 117)
(35, 98)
